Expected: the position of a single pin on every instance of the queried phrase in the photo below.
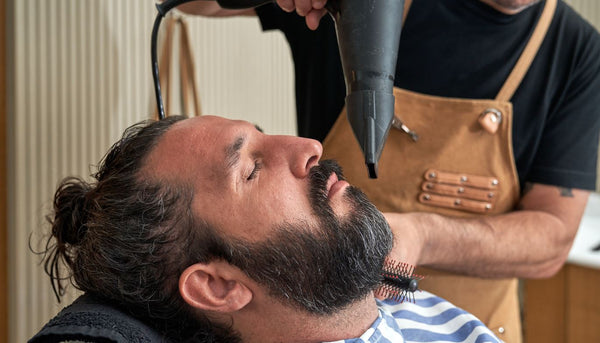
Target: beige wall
(79, 73)
(3, 186)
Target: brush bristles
(398, 282)
(402, 269)
(392, 292)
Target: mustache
(319, 175)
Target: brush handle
(405, 283)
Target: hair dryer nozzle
(372, 168)
(368, 33)
(370, 114)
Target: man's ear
(214, 286)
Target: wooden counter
(563, 309)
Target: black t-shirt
(466, 49)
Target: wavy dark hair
(126, 238)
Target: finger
(303, 7)
(286, 5)
(314, 17)
(318, 4)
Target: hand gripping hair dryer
(368, 33)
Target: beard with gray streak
(320, 270)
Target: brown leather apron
(460, 165)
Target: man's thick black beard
(320, 269)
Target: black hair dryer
(368, 33)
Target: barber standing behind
(504, 96)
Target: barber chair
(91, 320)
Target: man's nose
(303, 154)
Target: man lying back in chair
(212, 231)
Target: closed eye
(254, 173)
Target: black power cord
(163, 9)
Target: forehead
(192, 148)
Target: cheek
(284, 204)
(231, 218)
(272, 207)
(253, 216)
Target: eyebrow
(232, 153)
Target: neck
(269, 322)
(510, 6)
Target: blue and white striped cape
(429, 319)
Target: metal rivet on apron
(495, 182)
(490, 195)
(464, 179)
(501, 330)
(398, 124)
(496, 116)
(427, 197)
(429, 186)
(457, 202)
(461, 190)
(432, 175)
(488, 206)
(490, 120)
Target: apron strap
(518, 73)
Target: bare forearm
(532, 242)
(211, 9)
(312, 10)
